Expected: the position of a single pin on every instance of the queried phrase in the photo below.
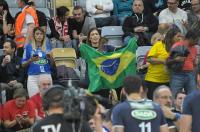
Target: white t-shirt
(107, 7)
(28, 19)
(166, 16)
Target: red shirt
(1, 112)
(11, 110)
(37, 102)
(190, 59)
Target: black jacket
(147, 20)
(12, 70)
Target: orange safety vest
(20, 38)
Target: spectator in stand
(18, 113)
(163, 96)
(100, 11)
(60, 28)
(37, 58)
(179, 98)
(157, 73)
(126, 117)
(95, 40)
(194, 15)
(185, 76)
(44, 83)
(80, 25)
(122, 9)
(194, 22)
(11, 72)
(6, 21)
(191, 116)
(173, 15)
(25, 21)
(185, 5)
(140, 25)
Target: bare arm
(9, 124)
(164, 128)
(75, 34)
(154, 60)
(185, 123)
(118, 129)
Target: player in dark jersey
(137, 114)
(190, 120)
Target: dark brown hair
(102, 40)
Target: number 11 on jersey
(145, 127)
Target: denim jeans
(186, 80)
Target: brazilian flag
(108, 70)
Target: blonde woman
(37, 59)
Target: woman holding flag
(107, 70)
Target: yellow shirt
(158, 72)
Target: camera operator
(63, 109)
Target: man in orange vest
(25, 22)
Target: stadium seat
(14, 11)
(64, 56)
(12, 3)
(82, 3)
(141, 52)
(45, 11)
(113, 34)
(38, 3)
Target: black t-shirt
(42, 20)
(76, 25)
(58, 123)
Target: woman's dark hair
(89, 32)
(168, 40)
(101, 41)
(193, 35)
(5, 7)
(61, 11)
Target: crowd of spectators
(28, 68)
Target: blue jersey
(40, 66)
(191, 106)
(138, 116)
